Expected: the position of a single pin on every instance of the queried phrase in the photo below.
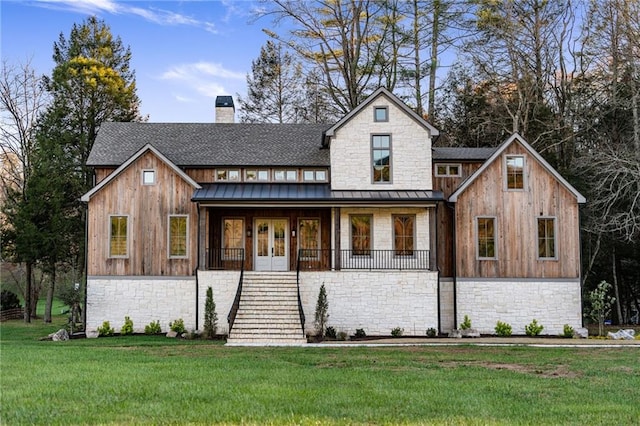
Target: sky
(184, 53)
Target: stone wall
(374, 301)
(446, 305)
(517, 302)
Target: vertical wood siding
(148, 208)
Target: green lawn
(155, 380)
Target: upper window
(448, 170)
(361, 226)
(252, 175)
(148, 177)
(228, 175)
(118, 232)
(178, 236)
(486, 237)
(546, 238)
(309, 238)
(404, 228)
(515, 171)
(232, 238)
(381, 156)
(314, 175)
(380, 114)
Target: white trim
(148, 147)
(454, 197)
(119, 256)
(169, 255)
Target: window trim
(144, 172)
(495, 238)
(351, 216)
(242, 238)
(118, 256)
(506, 172)
(318, 239)
(554, 219)
(448, 168)
(372, 149)
(384, 108)
(393, 235)
(173, 256)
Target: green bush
(210, 316)
(533, 329)
(503, 329)
(360, 333)
(330, 332)
(177, 326)
(322, 312)
(127, 328)
(106, 329)
(342, 336)
(8, 300)
(567, 331)
(466, 324)
(432, 332)
(397, 332)
(153, 328)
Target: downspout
(197, 268)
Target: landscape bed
(155, 380)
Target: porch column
(202, 238)
(433, 237)
(336, 236)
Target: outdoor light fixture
(249, 231)
(293, 233)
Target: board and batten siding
(516, 214)
(148, 208)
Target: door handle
(271, 251)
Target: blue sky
(185, 53)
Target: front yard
(155, 380)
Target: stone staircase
(268, 311)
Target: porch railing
(231, 318)
(321, 259)
(300, 310)
(228, 259)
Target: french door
(271, 247)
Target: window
(361, 235)
(380, 114)
(448, 170)
(232, 238)
(178, 236)
(381, 155)
(546, 238)
(404, 234)
(308, 175)
(250, 175)
(118, 231)
(321, 175)
(515, 171)
(486, 231)
(285, 175)
(278, 175)
(148, 177)
(263, 175)
(314, 175)
(292, 175)
(227, 175)
(309, 238)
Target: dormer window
(380, 114)
(448, 170)
(514, 172)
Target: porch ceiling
(296, 194)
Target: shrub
(153, 328)
(567, 331)
(322, 307)
(360, 333)
(127, 328)
(210, 316)
(432, 332)
(503, 329)
(177, 326)
(397, 332)
(601, 304)
(106, 329)
(343, 335)
(8, 300)
(466, 324)
(533, 329)
(330, 332)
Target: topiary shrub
(533, 329)
(8, 300)
(105, 330)
(432, 332)
(466, 324)
(503, 329)
(210, 316)
(153, 328)
(360, 333)
(177, 326)
(330, 332)
(127, 328)
(397, 332)
(321, 314)
(567, 331)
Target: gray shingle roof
(213, 144)
(461, 154)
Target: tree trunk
(50, 292)
(615, 287)
(27, 293)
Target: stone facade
(351, 163)
(517, 302)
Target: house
(400, 233)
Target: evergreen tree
(322, 315)
(210, 316)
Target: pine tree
(210, 316)
(322, 309)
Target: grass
(155, 380)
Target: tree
(322, 312)
(210, 316)
(600, 304)
(274, 88)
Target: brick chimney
(225, 110)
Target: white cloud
(206, 78)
